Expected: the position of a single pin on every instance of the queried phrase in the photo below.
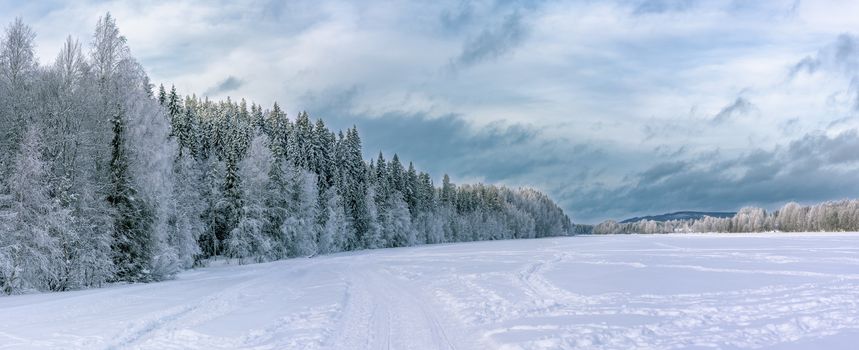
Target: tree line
(831, 216)
(104, 178)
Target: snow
(781, 291)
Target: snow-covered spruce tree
(396, 175)
(300, 145)
(426, 223)
(212, 175)
(278, 127)
(229, 206)
(446, 208)
(323, 153)
(174, 111)
(152, 154)
(132, 219)
(188, 129)
(353, 184)
(377, 202)
(323, 166)
(141, 161)
(277, 202)
(410, 190)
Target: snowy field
(792, 291)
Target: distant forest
(828, 216)
(106, 178)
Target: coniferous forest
(106, 178)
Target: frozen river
(613, 292)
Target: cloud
(231, 83)
(516, 153)
(493, 42)
(453, 20)
(662, 6)
(840, 58)
(740, 106)
(813, 168)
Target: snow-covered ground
(622, 292)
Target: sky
(613, 108)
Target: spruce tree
(212, 173)
(230, 206)
(301, 142)
(162, 95)
(132, 246)
(410, 194)
(174, 112)
(277, 205)
(448, 191)
(323, 149)
(396, 175)
(355, 188)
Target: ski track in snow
(732, 291)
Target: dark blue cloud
(493, 42)
(740, 106)
(813, 168)
(491, 31)
(448, 143)
(512, 154)
(231, 83)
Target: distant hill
(680, 215)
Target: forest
(831, 216)
(105, 178)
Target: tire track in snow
(381, 313)
(174, 320)
(769, 315)
(546, 295)
(170, 319)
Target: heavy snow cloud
(815, 167)
(231, 83)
